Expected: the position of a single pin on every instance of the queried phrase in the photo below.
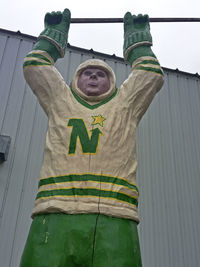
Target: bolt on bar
(120, 20)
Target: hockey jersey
(90, 163)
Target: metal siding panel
(17, 175)
(157, 160)
(154, 175)
(192, 147)
(11, 119)
(6, 74)
(166, 178)
(63, 66)
(74, 61)
(110, 63)
(172, 202)
(85, 57)
(174, 229)
(185, 186)
(145, 197)
(30, 184)
(121, 74)
(12, 124)
(3, 40)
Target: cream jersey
(90, 163)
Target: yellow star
(98, 120)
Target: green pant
(81, 240)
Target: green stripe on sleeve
(36, 55)
(87, 193)
(87, 177)
(153, 62)
(34, 63)
(158, 71)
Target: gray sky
(176, 45)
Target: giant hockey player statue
(85, 211)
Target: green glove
(137, 37)
(54, 37)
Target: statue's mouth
(92, 84)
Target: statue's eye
(101, 74)
(87, 73)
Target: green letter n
(88, 144)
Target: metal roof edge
(196, 75)
(91, 51)
(18, 34)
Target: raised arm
(39, 72)
(146, 78)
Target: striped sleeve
(149, 65)
(37, 58)
(43, 78)
(145, 80)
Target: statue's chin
(92, 92)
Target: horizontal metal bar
(120, 20)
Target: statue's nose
(93, 76)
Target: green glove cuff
(57, 38)
(135, 39)
(140, 51)
(48, 47)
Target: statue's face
(93, 81)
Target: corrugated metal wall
(168, 154)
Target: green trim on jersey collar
(87, 105)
